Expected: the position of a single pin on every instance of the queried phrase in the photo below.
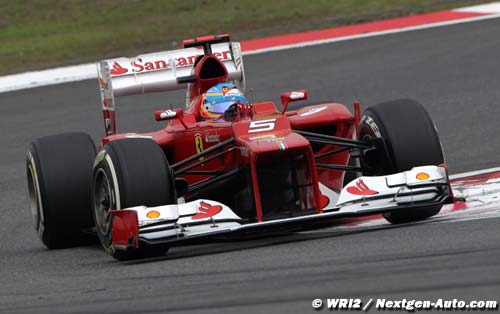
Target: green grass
(37, 34)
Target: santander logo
(205, 210)
(140, 65)
(361, 189)
(117, 69)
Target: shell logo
(422, 176)
(153, 214)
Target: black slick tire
(129, 172)
(59, 172)
(411, 140)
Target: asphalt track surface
(453, 70)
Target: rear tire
(127, 173)
(411, 139)
(59, 172)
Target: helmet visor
(222, 106)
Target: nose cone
(268, 135)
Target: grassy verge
(36, 34)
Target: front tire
(127, 173)
(59, 172)
(411, 140)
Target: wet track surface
(452, 70)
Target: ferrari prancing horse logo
(199, 144)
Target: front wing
(166, 225)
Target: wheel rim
(103, 201)
(34, 197)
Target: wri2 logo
(402, 305)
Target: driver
(218, 99)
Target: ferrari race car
(253, 169)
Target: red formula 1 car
(249, 169)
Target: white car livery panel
(183, 219)
(402, 186)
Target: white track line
(492, 8)
(48, 77)
(88, 71)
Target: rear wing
(158, 72)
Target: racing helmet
(219, 98)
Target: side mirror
(170, 114)
(291, 97)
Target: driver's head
(219, 98)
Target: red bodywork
(263, 137)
